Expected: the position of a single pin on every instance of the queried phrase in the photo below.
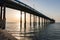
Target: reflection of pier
(26, 9)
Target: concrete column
(49, 21)
(1, 12)
(30, 23)
(4, 18)
(20, 21)
(34, 22)
(42, 22)
(45, 22)
(24, 22)
(39, 23)
(0, 16)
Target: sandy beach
(4, 35)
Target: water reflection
(14, 29)
(11, 26)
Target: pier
(38, 18)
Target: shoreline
(4, 35)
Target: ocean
(49, 32)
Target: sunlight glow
(17, 15)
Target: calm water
(51, 32)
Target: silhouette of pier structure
(17, 5)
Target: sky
(50, 8)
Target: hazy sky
(50, 8)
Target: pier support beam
(24, 22)
(39, 23)
(4, 18)
(34, 22)
(45, 22)
(42, 23)
(30, 23)
(21, 21)
(0, 16)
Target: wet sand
(4, 35)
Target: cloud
(26, 0)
